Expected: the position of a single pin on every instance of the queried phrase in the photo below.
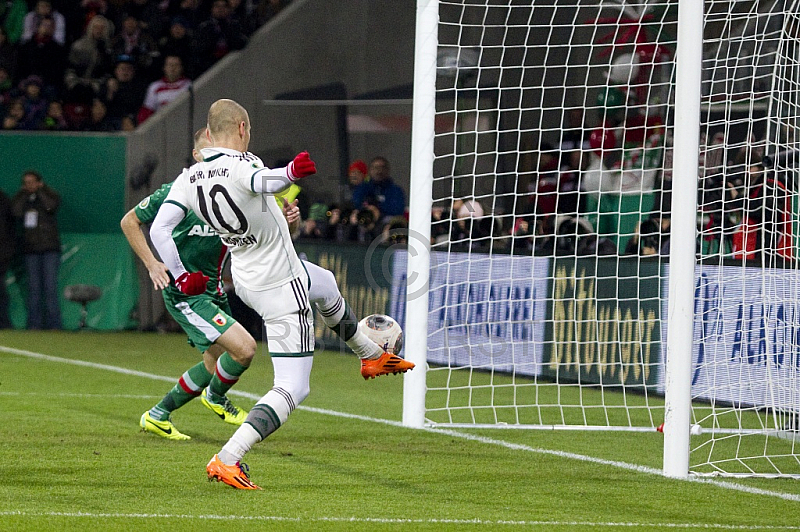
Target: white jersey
(221, 191)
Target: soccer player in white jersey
(226, 190)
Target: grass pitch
(73, 457)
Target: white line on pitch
(451, 433)
(82, 395)
(275, 518)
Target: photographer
(35, 205)
(364, 223)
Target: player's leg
(204, 323)
(340, 318)
(290, 335)
(239, 349)
(33, 265)
(189, 385)
(336, 313)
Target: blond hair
(200, 139)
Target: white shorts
(287, 316)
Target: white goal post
(604, 222)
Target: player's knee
(249, 348)
(300, 393)
(331, 285)
(298, 390)
(245, 349)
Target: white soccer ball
(384, 331)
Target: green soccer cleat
(165, 429)
(227, 411)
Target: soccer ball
(384, 331)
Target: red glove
(192, 284)
(301, 166)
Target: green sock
(189, 386)
(227, 374)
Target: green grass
(73, 458)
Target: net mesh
(550, 226)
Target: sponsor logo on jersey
(144, 203)
(256, 165)
(220, 320)
(240, 241)
(202, 230)
(214, 172)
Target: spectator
(124, 92)
(165, 90)
(42, 10)
(6, 88)
(188, 10)
(336, 224)
(54, 120)
(315, 226)
(9, 53)
(135, 43)
(7, 238)
(98, 118)
(178, 42)
(766, 230)
(42, 56)
(33, 101)
(380, 190)
(574, 136)
(395, 232)
(90, 60)
(267, 9)
(466, 227)
(356, 175)
(36, 205)
(90, 9)
(242, 13)
(217, 36)
(364, 223)
(646, 240)
(12, 13)
(14, 115)
(152, 16)
(128, 123)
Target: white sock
(241, 442)
(364, 347)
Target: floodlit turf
(73, 458)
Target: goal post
(420, 204)
(677, 411)
(604, 225)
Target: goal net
(542, 178)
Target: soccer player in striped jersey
(205, 317)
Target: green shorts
(204, 318)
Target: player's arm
(169, 216)
(275, 180)
(132, 229)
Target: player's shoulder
(156, 198)
(246, 159)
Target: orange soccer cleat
(383, 365)
(237, 475)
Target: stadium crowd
(108, 65)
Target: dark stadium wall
(87, 170)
